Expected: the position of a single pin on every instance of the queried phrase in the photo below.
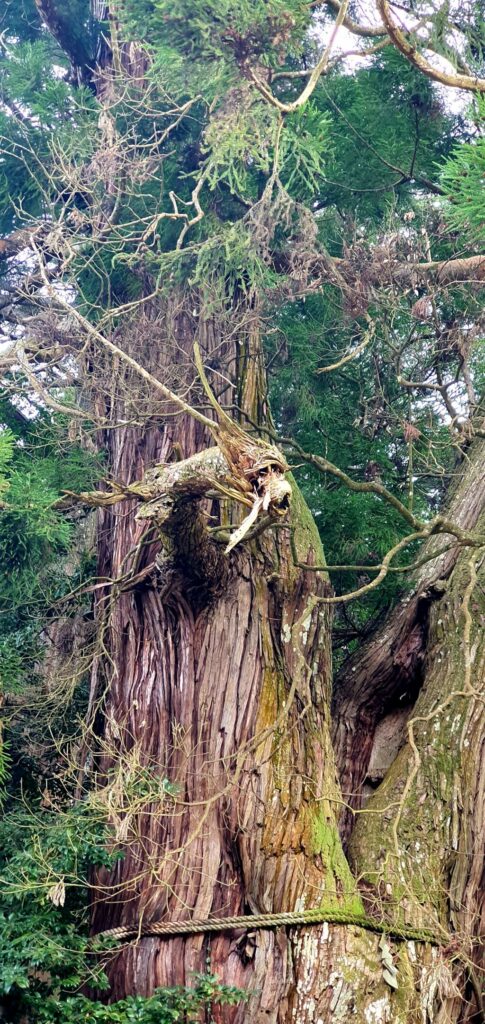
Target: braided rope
(251, 922)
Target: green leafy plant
(46, 954)
(165, 1006)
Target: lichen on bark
(423, 862)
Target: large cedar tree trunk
(198, 683)
(222, 687)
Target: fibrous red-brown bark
(224, 694)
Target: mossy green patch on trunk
(305, 531)
(325, 842)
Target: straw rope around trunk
(252, 922)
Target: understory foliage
(43, 840)
(170, 172)
(46, 955)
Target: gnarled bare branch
(454, 79)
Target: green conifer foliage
(463, 176)
(34, 535)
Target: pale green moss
(306, 535)
(326, 843)
(404, 996)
